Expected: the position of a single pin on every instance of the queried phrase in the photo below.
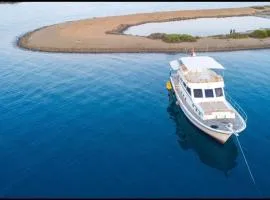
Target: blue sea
(104, 125)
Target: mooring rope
(249, 170)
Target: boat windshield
(209, 93)
(197, 93)
(219, 92)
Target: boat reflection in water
(222, 157)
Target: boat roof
(205, 76)
(198, 63)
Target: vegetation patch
(173, 38)
(262, 33)
(176, 38)
(268, 32)
(259, 34)
(258, 7)
(156, 36)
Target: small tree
(259, 34)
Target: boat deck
(215, 106)
(205, 76)
(220, 123)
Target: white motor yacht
(199, 91)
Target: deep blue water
(103, 125)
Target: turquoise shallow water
(103, 125)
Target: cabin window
(189, 91)
(209, 93)
(198, 93)
(219, 92)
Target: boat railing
(236, 106)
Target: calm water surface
(202, 26)
(103, 125)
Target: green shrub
(259, 34)
(268, 32)
(258, 7)
(173, 38)
(156, 36)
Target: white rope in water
(251, 175)
(249, 170)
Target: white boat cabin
(201, 87)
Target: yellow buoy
(168, 85)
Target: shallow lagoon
(202, 26)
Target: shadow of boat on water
(219, 156)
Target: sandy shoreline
(104, 34)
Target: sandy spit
(104, 34)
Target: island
(105, 34)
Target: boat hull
(217, 135)
(220, 137)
